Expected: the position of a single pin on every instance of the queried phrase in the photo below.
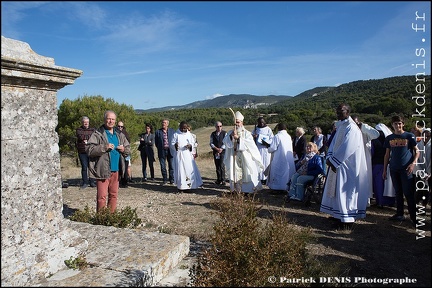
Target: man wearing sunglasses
(216, 144)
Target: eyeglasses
(120, 126)
(218, 126)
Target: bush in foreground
(125, 218)
(246, 251)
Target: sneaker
(93, 184)
(171, 182)
(83, 186)
(164, 183)
(144, 180)
(295, 198)
(397, 218)
(152, 179)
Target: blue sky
(156, 54)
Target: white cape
(282, 165)
(243, 166)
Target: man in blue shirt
(404, 155)
(107, 148)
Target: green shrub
(78, 263)
(125, 218)
(165, 230)
(245, 250)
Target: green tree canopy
(94, 107)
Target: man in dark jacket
(299, 144)
(163, 137)
(107, 148)
(83, 133)
(216, 144)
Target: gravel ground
(375, 248)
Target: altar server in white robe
(369, 133)
(242, 159)
(345, 196)
(263, 132)
(186, 173)
(282, 165)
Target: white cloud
(213, 96)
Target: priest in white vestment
(345, 195)
(186, 173)
(242, 159)
(282, 165)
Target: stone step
(122, 257)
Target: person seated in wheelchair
(308, 167)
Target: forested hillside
(373, 101)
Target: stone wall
(35, 237)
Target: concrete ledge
(122, 258)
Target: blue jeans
(84, 160)
(162, 161)
(297, 185)
(404, 185)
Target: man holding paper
(261, 133)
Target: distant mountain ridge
(236, 100)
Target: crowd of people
(359, 162)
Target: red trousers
(107, 188)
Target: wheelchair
(314, 190)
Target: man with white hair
(242, 159)
(299, 144)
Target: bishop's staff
(235, 150)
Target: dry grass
(375, 248)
